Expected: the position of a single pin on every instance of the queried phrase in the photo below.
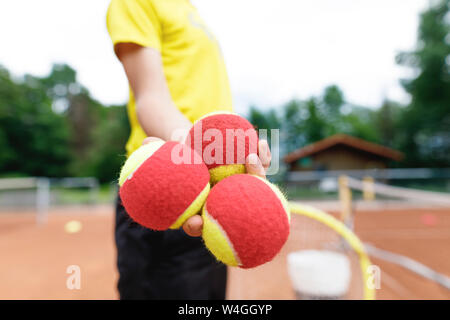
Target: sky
(275, 50)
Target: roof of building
(347, 140)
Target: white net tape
(439, 198)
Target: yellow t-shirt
(192, 61)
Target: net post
(345, 197)
(368, 188)
(94, 191)
(42, 200)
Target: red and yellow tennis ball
(224, 140)
(245, 221)
(158, 190)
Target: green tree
(107, 154)
(264, 120)
(51, 126)
(305, 122)
(315, 127)
(425, 126)
(81, 111)
(292, 134)
(333, 100)
(33, 138)
(387, 120)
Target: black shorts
(164, 264)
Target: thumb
(254, 166)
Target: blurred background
(358, 89)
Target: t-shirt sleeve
(134, 21)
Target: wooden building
(341, 152)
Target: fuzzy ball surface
(158, 190)
(246, 221)
(224, 140)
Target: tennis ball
(245, 221)
(158, 190)
(224, 140)
(73, 226)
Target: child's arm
(157, 114)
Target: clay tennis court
(34, 259)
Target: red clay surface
(34, 259)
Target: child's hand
(254, 165)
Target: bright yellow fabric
(192, 60)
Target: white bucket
(319, 274)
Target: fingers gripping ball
(157, 190)
(224, 140)
(245, 221)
